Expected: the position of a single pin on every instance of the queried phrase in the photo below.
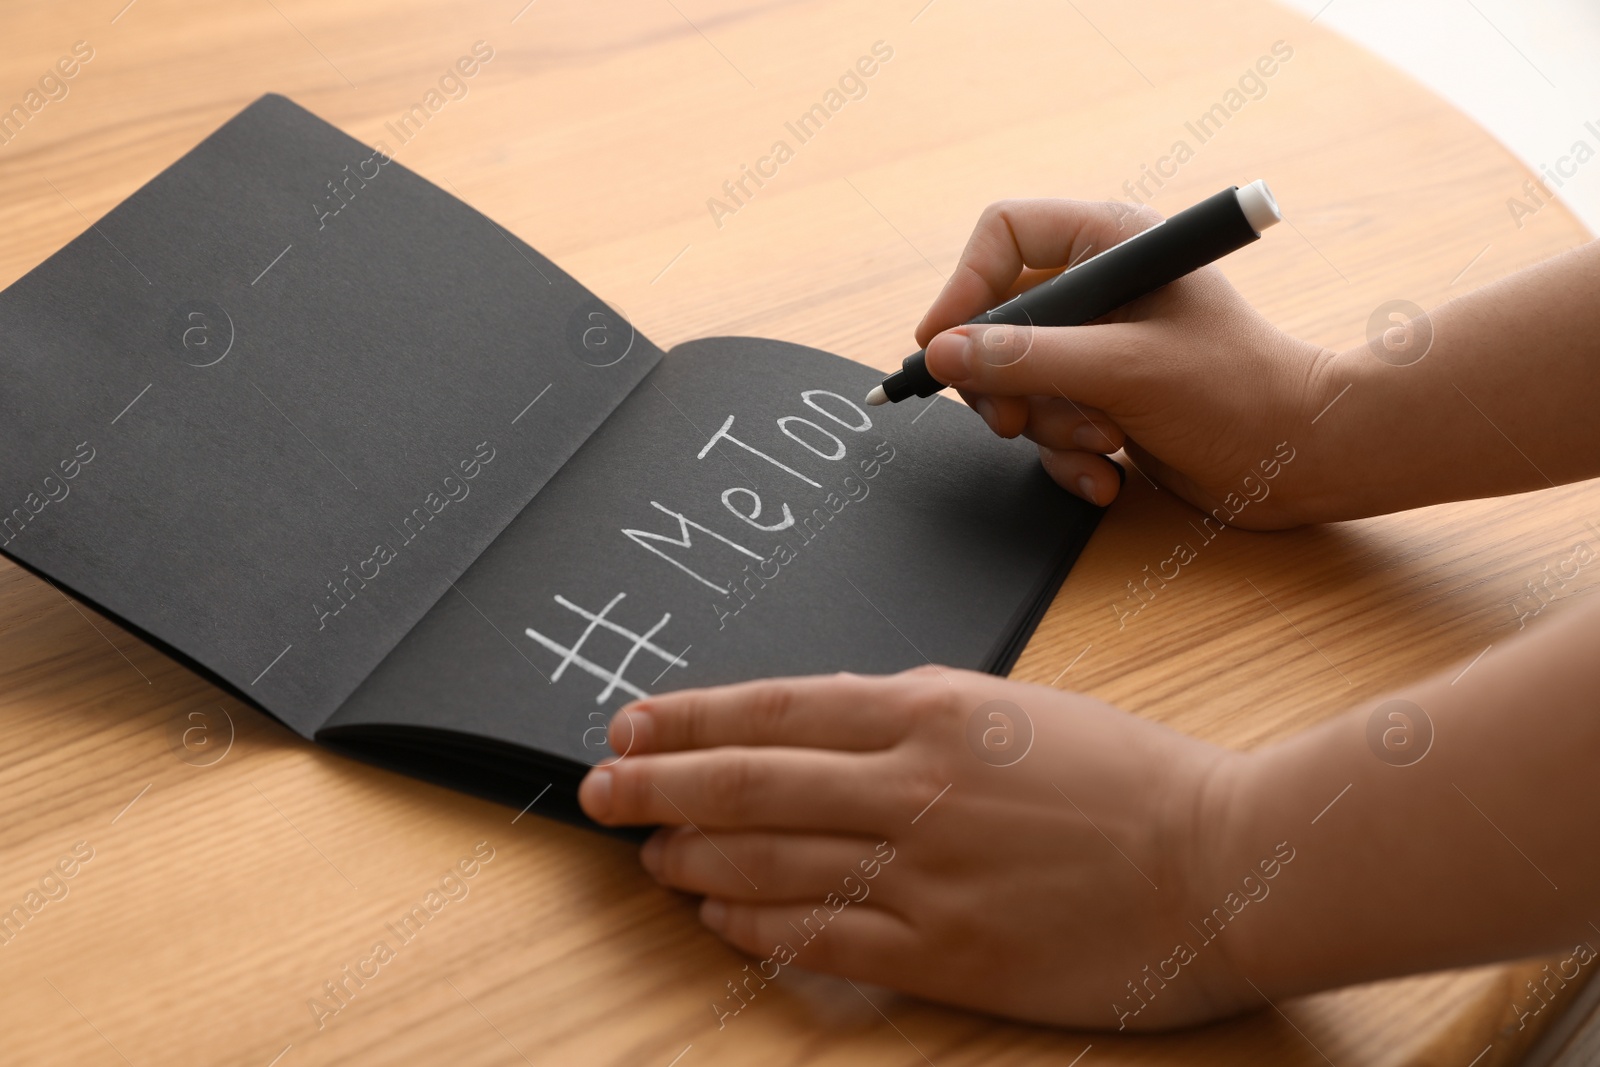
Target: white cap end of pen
(877, 396)
(1259, 207)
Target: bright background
(1528, 71)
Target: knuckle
(757, 854)
(936, 697)
(938, 727)
(727, 782)
(996, 212)
(691, 721)
(770, 708)
(914, 789)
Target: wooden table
(220, 898)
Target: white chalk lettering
(755, 510)
(866, 421)
(640, 537)
(838, 453)
(724, 435)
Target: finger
(1061, 423)
(1101, 366)
(756, 867)
(839, 711)
(1091, 476)
(1045, 235)
(1170, 477)
(748, 788)
(1007, 416)
(858, 940)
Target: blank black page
(915, 536)
(262, 374)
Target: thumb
(1101, 366)
(1019, 243)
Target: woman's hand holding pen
(1117, 874)
(1200, 389)
(1196, 385)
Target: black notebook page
(927, 539)
(267, 409)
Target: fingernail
(650, 854)
(1089, 436)
(985, 409)
(1086, 488)
(713, 913)
(950, 357)
(595, 793)
(632, 730)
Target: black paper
(927, 540)
(387, 344)
(320, 429)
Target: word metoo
(338, 992)
(55, 491)
(1254, 489)
(1210, 928)
(747, 583)
(746, 505)
(454, 490)
(855, 891)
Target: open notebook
(338, 440)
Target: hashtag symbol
(572, 656)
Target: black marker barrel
(1119, 275)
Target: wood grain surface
(221, 897)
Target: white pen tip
(1260, 207)
(877, 396)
